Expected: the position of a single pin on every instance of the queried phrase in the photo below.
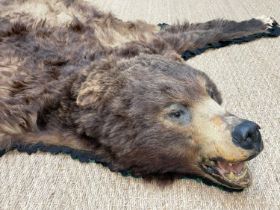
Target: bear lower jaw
(234, 175)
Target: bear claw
(269, 22)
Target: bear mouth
(234, 175)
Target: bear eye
(178, 114)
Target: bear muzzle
(226, 143)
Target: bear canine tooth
(231, 175)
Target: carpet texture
(248, 76)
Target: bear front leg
(18, 130)
(193, 39)
(51, 141)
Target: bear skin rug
(79, 81)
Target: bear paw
(269, 22)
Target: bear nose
(247, 135)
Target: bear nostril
(247, 135)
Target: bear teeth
(233, 176)
(225, 167)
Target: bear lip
(230, 174)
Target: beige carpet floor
(249, 79)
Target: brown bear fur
(96, 84)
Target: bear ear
(98, 88)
